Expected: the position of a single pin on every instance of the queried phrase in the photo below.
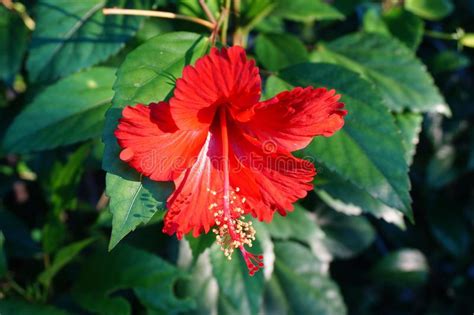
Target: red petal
(152, 143)
(222, 77)
(280, 178)
(292, 118)
(188, 206)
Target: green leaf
(348, 198)
(62, 258)
(3, 259)
(273, 51)
(405, 26)
(306, 10)
(397, 74)
(133, 203)
(18, 307)
(65, 178)
(124, 268)
(301, 226)
(450, 229)
(448, 60)
(18, 241)
(372, 22)
(441, 168)
(253, 11)
(239, 293)
(345, 236)
(299, 286)
(368, 151)
(69, 111)
(409, 125)
(397, 22)
(147, 75)
(70, 36)
(430, 9)
(405, 267)
(13, 41)
(200, 244)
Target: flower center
(232, 230)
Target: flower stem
(160, 14)
(225, 26)
(207, 11)
(446, 36)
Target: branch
(161, 14)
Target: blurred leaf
(65, 178)
(273, 51)
(125, 267)
(18, 242)
(152, 298)
(448, 60)
(345, 197)
(239, 293)
(450, 229)
(253, 11)
(430, 9)
(372, 21)
(398, 75)
(53, 235)
(409, 125)
(306, 10)
(405, 267)
(18, 307)
(200, 244)
(193, 8)
(145, 78)
(70, 36)
(153, 27)
(468, 40)
(69, 111)
(299, 225)
(3, 259)
(13, 41)
(345, 236)
(299, 287)
(368, 151)
(441, 170)
(203, 286)
(405, 26)
(133, 203)
(64, 256)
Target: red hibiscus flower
(227, 153)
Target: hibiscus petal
(292, 118)
(222, 77)
(153, 145)
(281, 178)
(197, 189)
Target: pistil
(232, 230)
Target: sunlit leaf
(405, 267)
(13, 42)
(273, 53)
(70, 36)
(430, 9)
(66, 112)
(398, 75)
(379, 169)
(299, 286)
(133, 203)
